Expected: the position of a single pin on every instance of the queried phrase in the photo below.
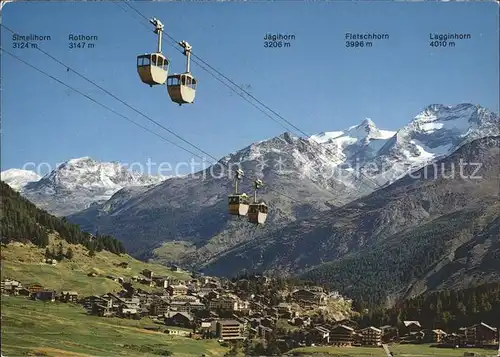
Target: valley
(338, 198)
(340, 254)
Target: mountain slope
(17, 178)
(194, 208)
(22, 221)
(419, 204)
(426, 258)
(316, 173)
(76, 184)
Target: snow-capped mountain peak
(80, 161)
(77, 183)
(17, 178)
(86, 173)
(361, 133)
(434, 133)
(330, 160)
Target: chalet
(257, 306)
(98, 305)
(412, 326)
(185, 298)
(317, 289)
(320, 335)
(102, 310)
(132, 303)
(252, 333)
(192, 288)
(389, 333)
(335, 295)
(34, 288)
(24, 292)
(88, 301)
(116, 300)
(264, 332)
(51, 261)
(285, 310)
(11, 287)
(348, 322)
(147, 281)
(371, 336)
(205, 324)
(127, 311)
(272, 311)
(259, 298)
(481, 335)
(180, 319)
(301, 321)
(174, 281)
(179, 289)
(436, 336)
(145, 299)
(159, 308)
(142, 312)
(147, 273)
(160, 281)
(45, 295)
(267, 321)
(455, 339)
(69, 296)
(207, 288)
(227, 303)
(308, 296)
(254, 322)
(342, 335)
(229, 330)
(196, 306)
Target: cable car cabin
(257, 213)
(153, 68)
(238, 204)
(181, 88)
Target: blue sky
(318, 84)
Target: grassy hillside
(27, 232)
(64, 330)
(24, 262)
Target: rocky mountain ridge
(302, 177)
(76, 184)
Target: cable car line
(147, 117)
(174, 45)
(250, 95)
(255, 99)
(98, 103)
(153, 67)
(121, 101)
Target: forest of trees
(22, 221)
(447, 310)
